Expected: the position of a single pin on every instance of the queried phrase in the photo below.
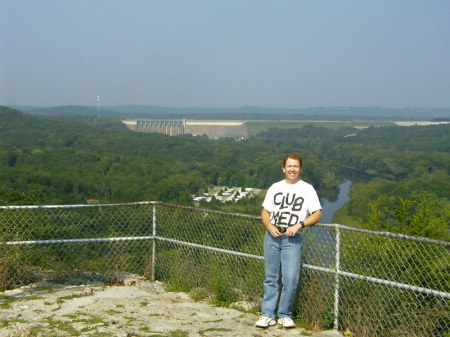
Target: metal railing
(367, 282)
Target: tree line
(396, 171)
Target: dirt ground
(138, 308)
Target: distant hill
(67, 110)
(247, 113)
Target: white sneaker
(265, 322)
(286, 322)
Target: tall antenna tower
(98, 107)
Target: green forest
(400, 175)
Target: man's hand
(265, 217)
(292, 230)
(274, 231)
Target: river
(329, 208)
(325, 236)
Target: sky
(226, 53)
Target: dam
(214, 129)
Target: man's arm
(265, 218)
(313, 218)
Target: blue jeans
(282, 260)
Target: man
(290, 205)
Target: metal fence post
(336, 278)
(154, 243)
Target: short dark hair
(293, 156)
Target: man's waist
(282, 229)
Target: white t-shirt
(288, 204)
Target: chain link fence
(364, 282)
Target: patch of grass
(88, 329)
(45, 288)
(143, 304)
(39, 330)
(70, 297)
(113, 312)
(60, 325)
(221, 303)
(4, 323)
(215, 320)
(34, 298)
(148, 330)
(199, 294)
(130, 319)
(100, 334)
(255, 309)
(75, 315)
(202, 332)
(179, 333)
(95, 320)
(150, 333)
(67, 327)
(174, 288)
(5, 301)
(88, 319)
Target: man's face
(292, 170)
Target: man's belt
(281, 229)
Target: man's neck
(293, 181)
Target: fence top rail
(387, 234)
(248, 216)
(79, 205)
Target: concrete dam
(213, 129)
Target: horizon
(16, 106)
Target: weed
(179, 333)
(45, 288)
(202, 332)
(95, 320)
(5, 323)
(74, 316)
(61, 325)
(148, 330)
(199, 294)
(5, 301)
(62, 299)
(174, 288)
(130, 319)
(112, 312)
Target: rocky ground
(137, 308)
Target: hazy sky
(225, 53)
